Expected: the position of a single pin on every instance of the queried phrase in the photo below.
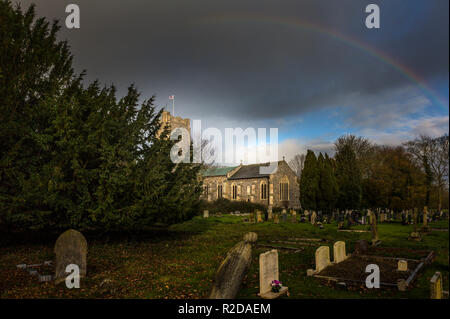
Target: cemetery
(236, 255)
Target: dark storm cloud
(228, 59)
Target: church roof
(249, 171)
(218, 171)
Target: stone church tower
(173, 122)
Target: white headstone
(322, 258)
(436, 286)
(268, 270)
(339, 252)
(205, 214)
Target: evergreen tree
(309, 182)
(348, 177)
(75, 156)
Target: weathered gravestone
(250, 237)
(339, 252)
(269, 213)
(232, 271)
(259, 216)
(294, 216)
(436, 286)
(322, 260)
(205, 214)
(425, 217)
(313, 218)
(402, 265)
(268, 272)
(70, 248)
(276, 219)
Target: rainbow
(308, 26)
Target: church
(246, 183)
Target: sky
(310, 68)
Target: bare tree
(432, 154)
(297, 164)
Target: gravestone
(284, 216)
(313, 218)
(232, 271)
(268, 272)
(381, 217)
(339, 252)
(322, 257)
(402, 265)
(294, 216)
(276, 219)
(259, 216)
(205, 213)
(70, 248)
(436, 286)
(251, 237)
(269, 213)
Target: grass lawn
(181, 263)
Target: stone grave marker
(269, 213)
(425, 216)
(436, 286)
(276, 219)
(205, 213)
(339, 253)
(70, 248)
(268, 271)
(322, 260)
(259, 216)
(402, 265)
(294, 216)
(313, 218)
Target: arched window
(234, 191)
(284, 189)
(263, 190)
(219, 191)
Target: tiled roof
(249, 171)
(218, 171)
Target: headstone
(313, 218)
(70, 248)
(232, 271)
(268, 272)
(251, 237)
(294, 216)
(322, 260)
(339, 252)
(259, 216)
(276, 219)
(284, 216)
(205, 213)
(402, 265)
(381, 217)
(436, 286)
(269, 213)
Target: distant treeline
(364, 175)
